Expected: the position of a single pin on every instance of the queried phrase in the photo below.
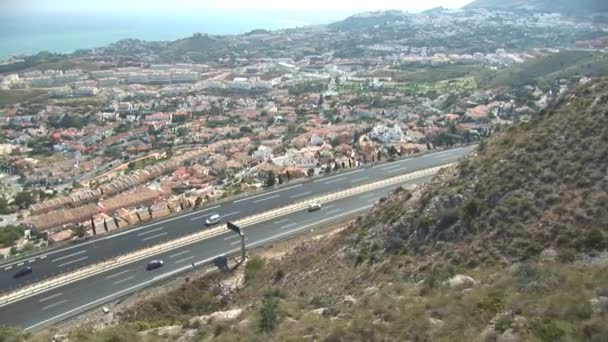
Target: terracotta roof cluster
(75, 199)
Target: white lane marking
(129, 231)
(266, 193)
(8, 268)
(390, 167)
(52, 305)
(170, 273)
(31, 260)
(440, 154)
(117, 274)
(232, 213)
(289, 225)
(359, 179)
(368, 195)
(154, 236)
(43, 257)
(231, 237)
(20, 264)
(184, 259)
(50, 297)
(301, 194)
(237, 242)
(339, 175)
(335, 180)
(73, 261)
(399, 169)
(69, 256)
(281, 221)
(332, 211)
(123, 280)
(151, 231)
(178, 254)
(266, 199)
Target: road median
(87, 271)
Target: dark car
(23, 272)
(154, 264)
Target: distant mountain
(563, 6)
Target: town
(111, 137)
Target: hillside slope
(563, 6)
(508, 246)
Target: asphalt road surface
(70, 300)
(68, 258)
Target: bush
(547, 330)
(254, 266)
(448, 218)
(595, 240)
(8, 235)
(269, 313)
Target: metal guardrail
(87, 271)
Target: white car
(213, 219)
(314, 206)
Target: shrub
(448, 218)
(269, 313)
(547, 330)
(278, 275)
(595, 240)
(470, 209)
(567, 255)
(254, 266)
(503, 323)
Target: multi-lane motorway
(69, 300)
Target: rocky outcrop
(219, 316)
(460, 282)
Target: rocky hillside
(508, 246)
(563, 6)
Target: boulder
(321, 312)
(350, 300)
(167, 332)
(509, 335)
(218, 316)
(601, 292)
(435, 322)
(460, 281)
(487, 335)
(599, 305)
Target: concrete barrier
(122, 260)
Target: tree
(182, 132)
(4, 208)
(270, 180)
(311, 172)
(23, 200)
(392, 151)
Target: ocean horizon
(58, 33)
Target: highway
(65, 259)
(50, 307)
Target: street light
(237, 230)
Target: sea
(63, 33)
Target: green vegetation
(11, 97)
(8, 235)
(552, 67)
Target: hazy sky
(352, 6)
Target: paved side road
(68, 258)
